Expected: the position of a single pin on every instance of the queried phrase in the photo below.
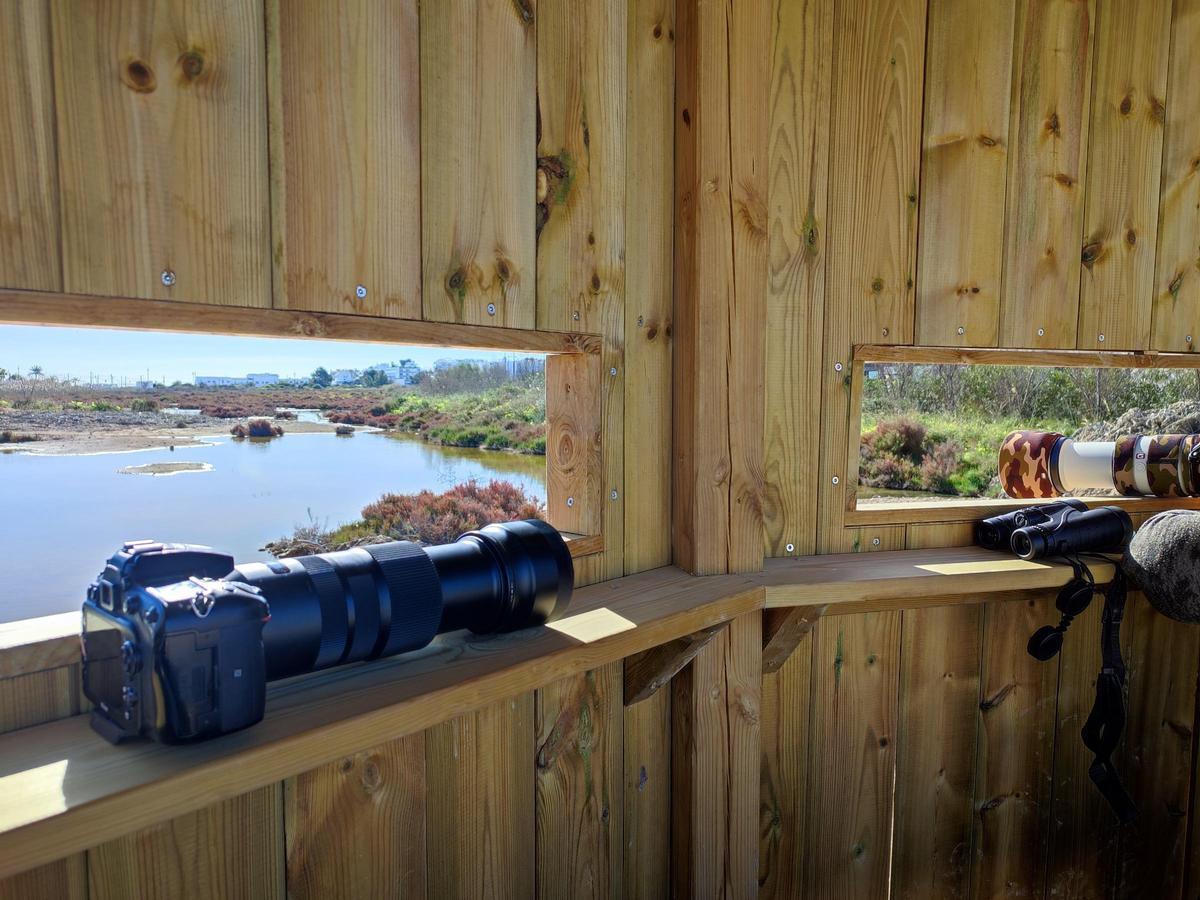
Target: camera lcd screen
(103, 668)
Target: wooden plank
(987, 356)
(720, 270)
(1047, 168)
(231, 849)
(33, 308)
(64, 784)
(345, 156)
(786, 744)
(968, 66)
(34, 645)
(1082, 842)
(930, 513)
(801, 59)
(647, 672)
(478, 143)
(935, 765)
(574, 452)
(1157, 752)
(480, 783)
(716, 749)
(649, 164)
(852, 763)
(875, 149)
(356, 827)
(784, 630)
(1177, 269)
(162, 139)
(29, 230)
(580, 770)
(1124, 169)
(647, 798)
(1015, 752)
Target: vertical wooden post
(722, 84)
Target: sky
(96, 354)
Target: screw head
(360, 291)
(641, 321)
(1041, 332)
(570, 501)
(1188, 338)
(613, 494)
(875, 541)
(491, 309)
(790, 548)
(168, 277)
(961, 330)
(837, 367)
(1101, 339)
(575, 315)
(836, 480)
(612, 371)
(885, 332)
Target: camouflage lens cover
(1025, 464)
(1162, 464)
(1123, 465)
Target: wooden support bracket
(650, 670)
(782, 631)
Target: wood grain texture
(1015, 753)
(719, 284)
(648, 672)
(345, 156)
(852, 768)
(29, 229)
(574, 452)
(1125, 142)
(715, 747)
(356, 827)
(480, 770)
(1157, 754)
(649, 207)
(784, 630)
(1047, 167)
(478, 144)
(1177, 269)
(580, 773)
(232, 849)
(647, 798)
(801, 59)
(968, 63)
(162, 138)
(784, 773)
(875, 148)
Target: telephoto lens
(379, 600)
(1106, 529)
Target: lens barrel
(379, 600)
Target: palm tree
(36, 371)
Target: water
(61, 517)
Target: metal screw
(885, 332)
(1188, 338)
(1102, 339)
(612, 371)
(570, 501)
(641, 321)
(875, 541)
(961, 330)
(836, 480)
(360, 292)
(168, 277)
(837, 367)
(613, 494)
(790, 548)
(1041, 332)
(575, 315)
(491, 309)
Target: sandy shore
(73, 433)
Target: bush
(285, 415)
(939, 466)
(144, 405)
(439, 518)
(344, 430)
(12, 437)
(256, 428)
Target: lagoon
(61, 517)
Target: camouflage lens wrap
(1162, 465)
(1122, 466)
(1025, 464)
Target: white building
(345, 376)
(404, 372)
(262, 379)
(220, 381)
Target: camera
(179, 642)
(996, 532)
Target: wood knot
(651, 332)
(1090, 253)
(657, 32)
(1126, 106)
(687, 117)
(595, 283)
(1131, 237)
(591, 239)
(503, 270)
(986, 140)
(345, 765)
(877, 285)
(1052, 124)
(524, 10)
(191, 65)
(372, 780)
(137, 75)
(457, 282)
(1065, 180)
(309, 327)
(1158, 110)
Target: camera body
(170, 651)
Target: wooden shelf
(61, 786)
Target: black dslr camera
(179, 644)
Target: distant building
(262, 379)
(345, 376)
(404, 372)
(220, 381)
(146, 385)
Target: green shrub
(144, 405)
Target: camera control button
(131, 657)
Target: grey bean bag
(1164, 561)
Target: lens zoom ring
(334, 622)
(416, 593)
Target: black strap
(1102, 730)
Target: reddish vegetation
(439, 518)
(256, 428)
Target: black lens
(379, 600)
(1026, 543)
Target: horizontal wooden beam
(76, 310)
(991, 356)
(647, 672)
(909, 512)
(783, 630)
